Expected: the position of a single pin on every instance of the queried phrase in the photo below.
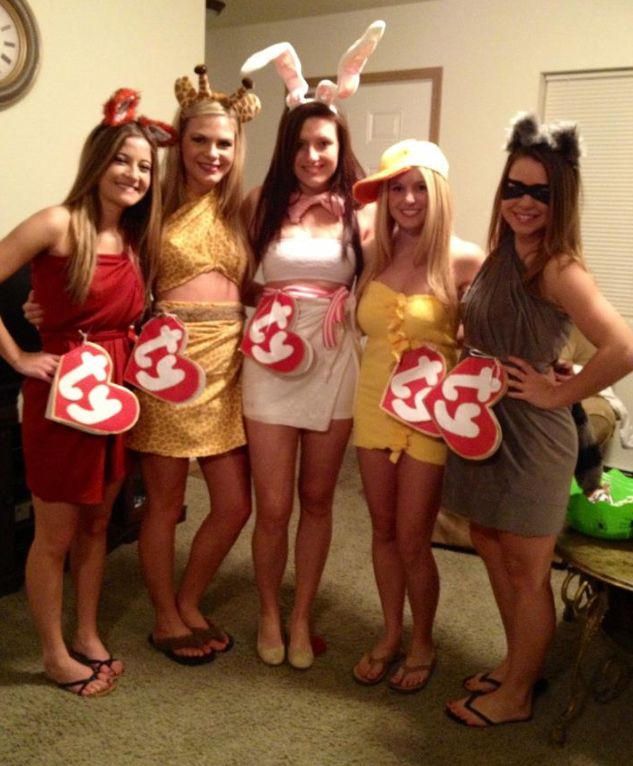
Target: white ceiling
(238, 12)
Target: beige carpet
(238, 712)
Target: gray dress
(524, 487)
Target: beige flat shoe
(271, 655)
(300, 659)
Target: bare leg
(528, 562)
(55, 527)
(487, 545)
(378, 474)
(419, 492)
(165, 479)
(273, 454)
(321, 458)
(88, 554)
(228, 481)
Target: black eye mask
(515, 189)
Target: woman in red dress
(89, 258)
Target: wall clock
(19, 50)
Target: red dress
(62, 463)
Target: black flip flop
(167, 646)
(488, 722)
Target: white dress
(325, 391)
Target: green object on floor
(610, 520)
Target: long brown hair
(562, 235)
(140, 223)
(281, 182)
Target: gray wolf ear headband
(562, 138)
(288, 66)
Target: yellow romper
(394, 323)
(196, 240)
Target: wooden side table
(598, 588)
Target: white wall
(88, 50)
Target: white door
(380, 114)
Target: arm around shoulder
(251, 291)
(466, 258)
(366, 217)
(249, 205)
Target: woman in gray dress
(532, 286)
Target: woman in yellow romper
(409, 295)
(200, 273)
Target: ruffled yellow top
(394, 323)
(197, 240)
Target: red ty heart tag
(83, 397)
(268, 339)
(157, 366)
(418, 371)
(461, 406)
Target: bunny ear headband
(560, 137)
(120, 109)
(244, 104)
(289, 68)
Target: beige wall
(493, 53)
(88, 50)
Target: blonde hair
(433, 245)
(229, 189)
(141, 223)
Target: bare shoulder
(568, 284)
(461, 247)
(45, 230)
(366, 217)
(562, 271)
(466, 260)
(252, 197)
(559, 264)
(52, 221)
(249, 204)
(369, 252)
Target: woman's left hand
(524, 382)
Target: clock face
(11, 46)
(19, 50)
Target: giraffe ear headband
(120, 109)
(243, 103)
(525, 132)
(288, 66)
